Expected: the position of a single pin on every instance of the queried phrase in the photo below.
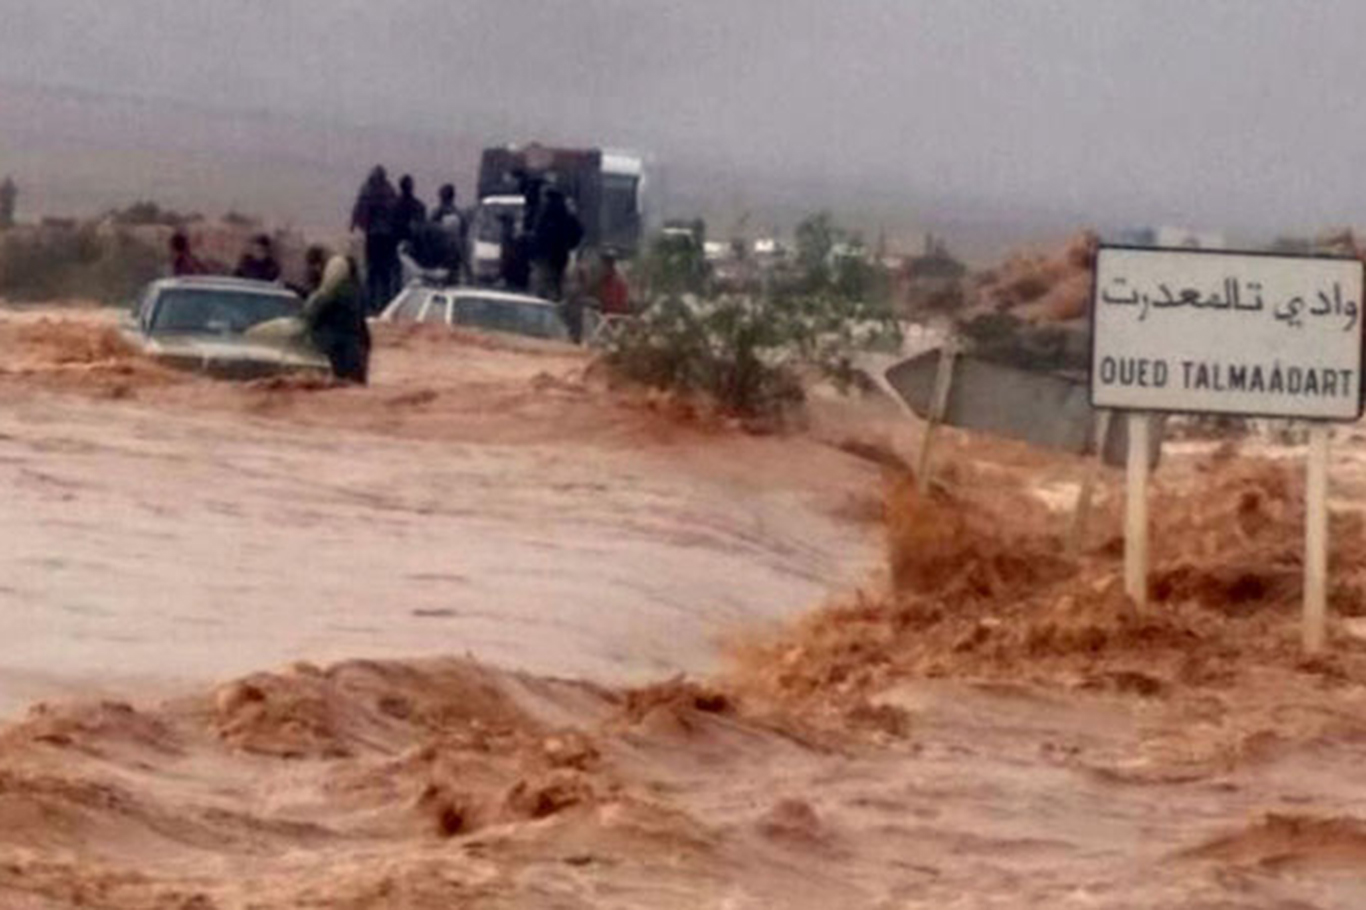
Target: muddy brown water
(164, 535)
(145, 544)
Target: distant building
(717, 250)
(769, 248)
(843, 252)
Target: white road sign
(1227, 333)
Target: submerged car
(227, 327)
(482, 308)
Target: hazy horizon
(1220, 115)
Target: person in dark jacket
(514, 254)
(183, 261)
(427, 248)
(258, 263)
(451, 221)
(556, 235)
(335, 316)
(447, 212)
(409, 212)
(374, 215)
(532, 189)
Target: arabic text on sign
(1236, 296)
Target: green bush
(816, 237)
(673, 265)
(747, 354)
(146, 213)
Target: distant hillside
(77, 153)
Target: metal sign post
(1316, 540)
(943, 381)
(1136, 512)
(1215, 332)
(1081, 512)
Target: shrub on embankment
(748, 353)
(55, 262)
(109, 259)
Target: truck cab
(605, 189)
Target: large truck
(605, 189)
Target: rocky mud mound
(358, 764)
(406, 784)
(1030, 311)
(1290, 842)
(1236, 547)
(1052, 287)
(978, 590)
(444, 783)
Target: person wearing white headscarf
(335, 315)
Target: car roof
(223, 283)
(463, 290)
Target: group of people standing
(258, 262)
(535, 249)
(396, 224)
(397, 220)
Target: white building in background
(716, 250)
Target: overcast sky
(1211, 113)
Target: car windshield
(217, 311)
(501, 314)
